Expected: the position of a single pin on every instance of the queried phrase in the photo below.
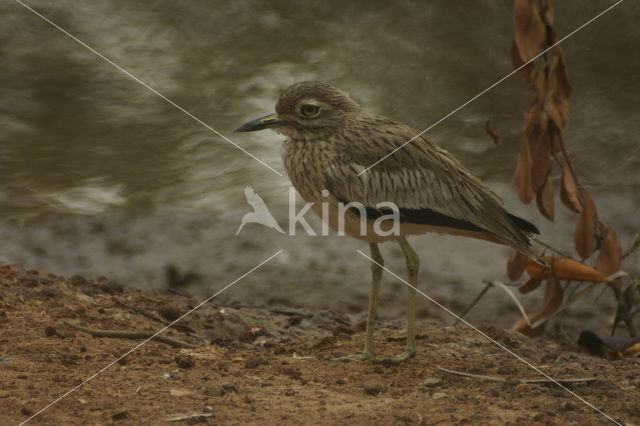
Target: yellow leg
(376, 275)
(413, 263)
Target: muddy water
(101, 176)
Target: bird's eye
(308, 110)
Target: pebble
(214, 389)
(373, 388)
(432, 381)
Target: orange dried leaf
(565, 269)
(516, 265)
(544, 199)
(585, 234)
(610, 256)
(568, 190)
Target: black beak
(271, 120)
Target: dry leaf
(545, 199)
(525, 73)
(553, 297)
(568, 190)
(529, 30)
(516, 265)
(556, 102)
(610, 255)
(585, 234)
(547, 16)
(540, 157)
(529, 285)
(521, 325)
(566, 269)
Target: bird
(260, 214)
(332, 156)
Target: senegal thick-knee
(331, 144)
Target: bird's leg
(376, 275)
(413, 262)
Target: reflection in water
(79, 137)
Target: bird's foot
(397, 359)
(356, 357)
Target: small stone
(214, 389)
(251, 363)
(49, 331)
(120, 416)
(432, 381)
(185, 361)
(373, 388)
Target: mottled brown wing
(427, 184)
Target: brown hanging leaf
(544, 199)
(610, 256)
(553, 295)
(523, 173)
(585, 234)
(556, 99)
(556, 141)
(516, 265)
(547, 16)
(529, 30)
(540, 155)
(529, 285)
(527, 72)
(568, 190)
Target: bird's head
(307, 109)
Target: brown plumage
(331, 140)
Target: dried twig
(135, 335)
(142, 312)
(550, 247)
(504, 287)
(634, 245)
(188, 417)
(526, 381)
(472, 304)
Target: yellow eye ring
(308, 110)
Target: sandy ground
(269, 366)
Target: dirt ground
(269, 366)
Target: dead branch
(134, 335)
(143, 312)
(522, 381)
(507, 290)
(634, 245)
